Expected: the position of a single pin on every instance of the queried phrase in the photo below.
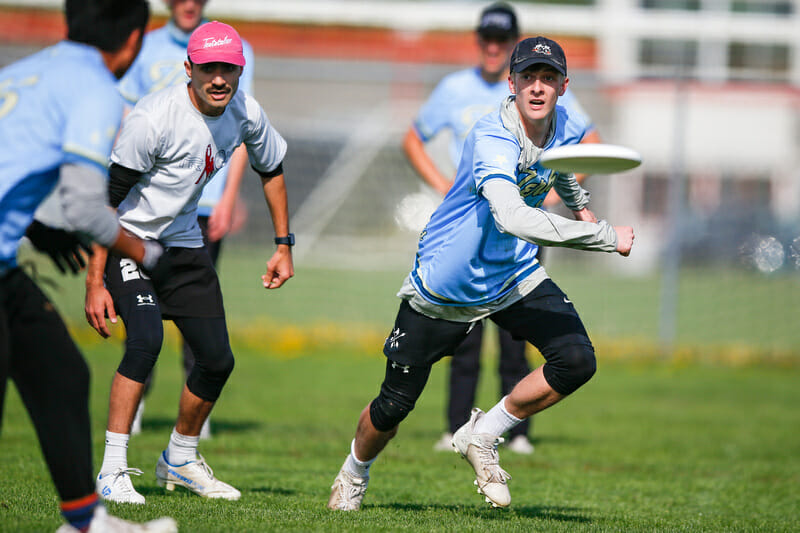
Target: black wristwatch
(289, 239)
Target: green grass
(647, 447)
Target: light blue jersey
(463, 259)
(58, 106)
(461, 98)
(159, 65)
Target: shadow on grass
(217, 425)
(561, 514)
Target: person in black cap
(476, 259)
(456, 103)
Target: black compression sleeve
(121, 181)
(271, 173)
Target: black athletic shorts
(545, 317)
(186, 285)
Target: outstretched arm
(414, 149)
(512, 215)
(280, 267)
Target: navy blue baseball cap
(538, 50)
(498, 21)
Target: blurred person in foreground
(172, 144)
(220, 210)
(457, 102)
(60, 112)
(477, 259)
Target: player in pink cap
(170, 146)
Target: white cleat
(196, 476)
(136, 425)
(116, 486)
(521, 445)
(105, 523)
(445, 443)
(347, 492)
(480, 450)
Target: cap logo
(211, 42)
(500, 20)
(542, 49)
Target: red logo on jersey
(209, 166)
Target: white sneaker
(445, 443)
(205, 431)
(116, 486)
(136, 425)
(105, 523)
(196, 476)
(347, 492)
(480, 450)
(521, 445)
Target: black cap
(498, 21)
(538, 50)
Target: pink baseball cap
(214, 42)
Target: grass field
(684, 441)
(648, 447)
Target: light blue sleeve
(494, 157)
(434, 114)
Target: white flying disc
(591, 158)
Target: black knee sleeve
(569, 367)
(142, 345)
(208, 338)
(401, 387)
(207, 379)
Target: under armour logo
(145, 299)
(405, 368)
(394, 340)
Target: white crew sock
(116, 452)
(181, 448)
(356, 467)
(497, 421)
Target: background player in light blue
(477, 258)
(59, 114)
(454, 106)
(159, 65)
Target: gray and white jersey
(178, 150)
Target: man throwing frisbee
(477, 258)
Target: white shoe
(105, 523)
(205, 431)
(480, 450)
(445, 443)
(196, 476)
(347, 492)
(521, 445)
(136, 425)
(116, 486)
